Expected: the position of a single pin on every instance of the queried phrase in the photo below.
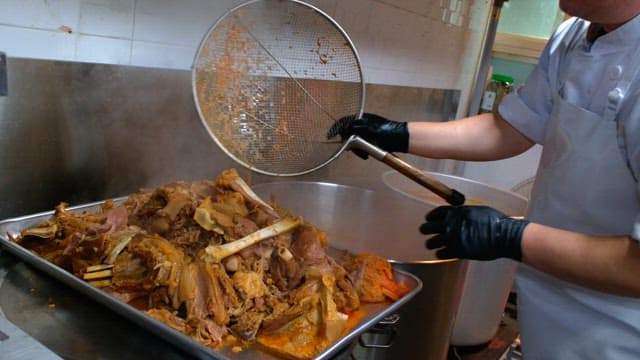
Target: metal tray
(374, 312)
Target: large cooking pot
(385, 223)
(487, 283)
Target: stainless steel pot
(385, 223)
(487, 283)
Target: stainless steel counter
(70, 323)
(17, 345)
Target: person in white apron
(578, 292)
(584, 184)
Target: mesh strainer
(271, 77)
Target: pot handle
(389, 320)
(390, 336)
(387, 328)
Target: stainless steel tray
(374, 312)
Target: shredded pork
(284, 293)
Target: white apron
(583, 184)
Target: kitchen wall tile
(422, 31)
(402, 36)
(327, 6)
(427, 78)
(217, 7)
(383, 76)
(401, 28)
(164, 6)
(98, 49)
(451, 79)
(40, 14)
(413, 59)
(177, 23)
(176, 27)
(353, 15)
(38, 44)
(156, 6)
(477, 14)
(389, 54)
(373, 75)
(443, 74)
(107, 18)
(405, 77)
(417, 80)
(386, 20)
(162, 55)
(362, 46)
(374, 54)
(424, 7)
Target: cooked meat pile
(213, 261)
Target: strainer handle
(450, 195)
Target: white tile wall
(400, 42)
(40, 14)
(174, 22)
(97, 49)
(327, 6)
(107, 18)
(35, 43)
(353, 25)
(162, 55)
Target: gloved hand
(391, 136)
(473, 232)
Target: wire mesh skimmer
(271, 77)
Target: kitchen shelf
(518, 47)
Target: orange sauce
(141, 303)
(312, 345)
(354, 319)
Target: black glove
(473, 232)
(391, 136)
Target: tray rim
(156, 327)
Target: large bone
(46, 230)
(242, 187)
(216, 253)
(236, 183)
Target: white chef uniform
(581, 102)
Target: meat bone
(235, 182)
(99, 275)
(215, 253)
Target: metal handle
(4, 83)
(390, 320)
(386, 326)
(451, 196)
(389, 332)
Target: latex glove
(389, 135)
(473, 232)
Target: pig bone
(215, 253)
(242, 187)
(284, 253)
